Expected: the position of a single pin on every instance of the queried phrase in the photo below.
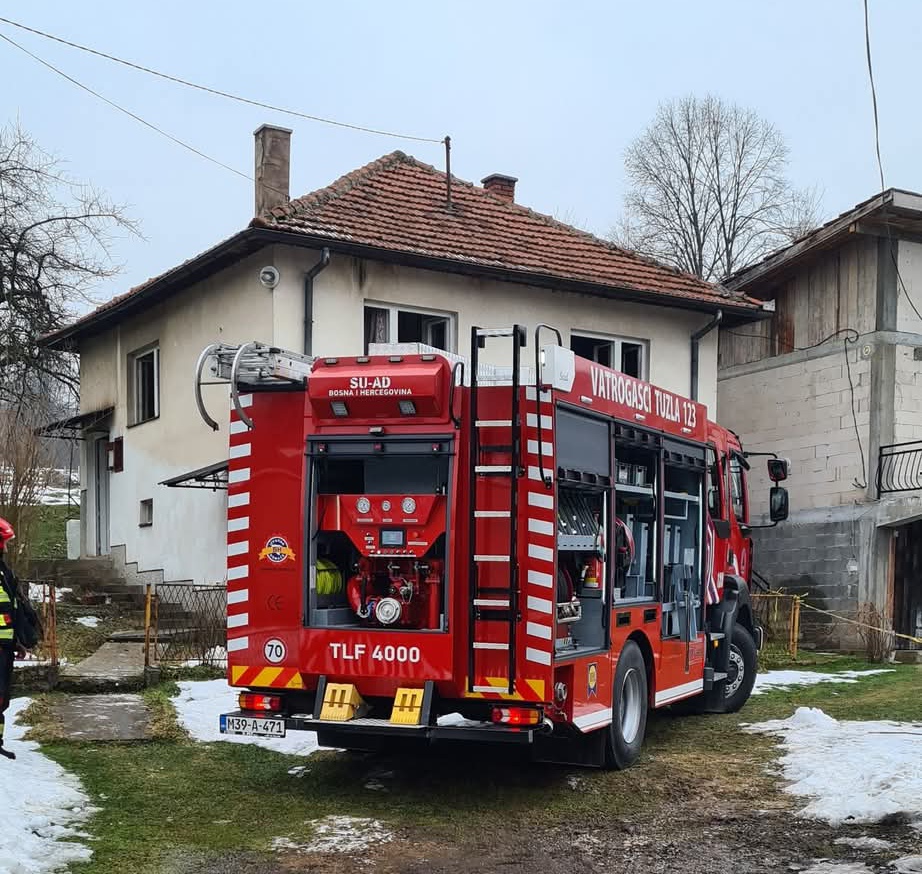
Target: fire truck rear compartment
(380, 516)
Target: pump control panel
(402, 526)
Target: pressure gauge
(408, 506)
(386, 506)
(363, 505)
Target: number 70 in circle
(274, 651)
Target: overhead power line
(880, 164)
(867, 46)
(217, 92)
(127, 112)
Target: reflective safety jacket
(7, 605)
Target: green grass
(173, 795)
(48, 537)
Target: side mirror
(778, 504)
(778, 469)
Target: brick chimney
(500, 186)
(273, 165)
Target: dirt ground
(674, 841)
(741, 832)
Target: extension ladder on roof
(248, 366)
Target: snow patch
(824, 867)
(216, 657)
(771, 680)
(338, 834)
(42, 804)
(88, 621)
(852, 771)
(908, 865)
(33, 661)
(456, 720)
(864, 842)
(200, 703)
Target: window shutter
(116, 455)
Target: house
(382, 254)
(834, 382)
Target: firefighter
(9, 647)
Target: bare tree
(708, 189)
(55, 236)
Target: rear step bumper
(385, 728)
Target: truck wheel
(630, 701)
(741, 674)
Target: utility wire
(880, 164)
(217, 92)
(867, 46)
(127, 112)
(853, 336)
(861, 483)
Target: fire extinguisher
(593, 568)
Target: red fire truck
(425, 548)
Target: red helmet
(6, 532)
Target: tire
(741, 673)
(630, 704)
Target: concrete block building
(833, 381)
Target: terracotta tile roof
(398, 203)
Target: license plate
(253, 726)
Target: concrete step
(908, 656)
(59, 566)
(102, 718)
(115, 666)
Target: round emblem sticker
(274, 651)
(277, 551)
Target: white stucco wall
(189, 526)
(187, 537)
(341, 291)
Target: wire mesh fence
(779, 615)
(186, 626)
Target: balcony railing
(899, 468)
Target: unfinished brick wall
(800, 406)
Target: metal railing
(186, 626)
(779, 615)
(899, 467)
(44, 597)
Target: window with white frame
(619, 353)
(144, 384)
(395, 324)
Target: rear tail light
(251, 701)
(516, 716)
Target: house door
(101, 483)
(907, 583)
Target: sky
(551, 93)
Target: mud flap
(571, 748)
